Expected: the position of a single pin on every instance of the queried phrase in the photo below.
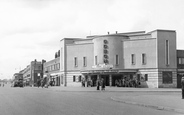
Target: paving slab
(161, 102)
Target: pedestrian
(42, 83)
(98, 84)
(103, 84)
(182, 86)
(38, 83)
(83, 82)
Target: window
(167, 52)
(133, 59)
(73, 78)
(143, 59)
(181, 60)
(117, 60)
(39, 67)
(146, 77)
(138, 77)
(52, 67)
(80, 78)
(167, 77)
(95, 60)
(75, 62)
(58, 66)
(84, 61)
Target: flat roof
(162, 30)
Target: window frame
(144, 59)
(74, 78)
(75, 62)
(84, 61)
(96, 60)
(116, 59)
(167, 52)
(133, 59)
(165, 79)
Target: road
(41, 101)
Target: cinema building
(151, 57)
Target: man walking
(182, 86)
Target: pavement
(159, 101)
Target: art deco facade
(150, 57)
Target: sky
(32, 29)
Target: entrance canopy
(109, 71)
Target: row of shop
(111, 78)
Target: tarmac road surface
(41, 101)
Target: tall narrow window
(143, 59)
(133, 59)
(79, 78)
(84, 62)
(146, 77)
(96, 60)
(73, 78)
(179, 60)
(167, 52)
(75, 61)
(58, 65)
(117, 60)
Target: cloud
(32, 29)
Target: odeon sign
(104, 66)
(105, 48)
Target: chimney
(43, 61)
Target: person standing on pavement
(182, 86)
(103, 84)
(98, 84)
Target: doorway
(179, 76)
(106, 78)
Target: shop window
(138, 77)
(73, 78)
(167, 77)
(79, 78)
(146, 77)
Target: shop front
(111, 77)
(55, 79)
(180, 74)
